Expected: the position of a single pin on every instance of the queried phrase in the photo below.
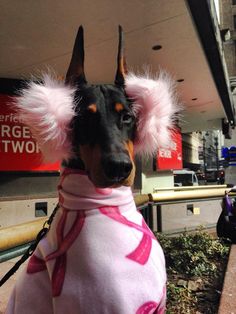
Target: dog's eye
(127, 118)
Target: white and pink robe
(99, 257)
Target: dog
(99, 255)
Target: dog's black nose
(117, 168)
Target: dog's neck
(77, 192)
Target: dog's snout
(117, 168)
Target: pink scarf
(99, 257)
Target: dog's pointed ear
(121, 62)
(155, 106)
(75, 73)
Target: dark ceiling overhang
(35, 40)
(11, 86)
(200, 11)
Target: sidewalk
(6, 289)
(228, 297)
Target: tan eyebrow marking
(92, 108)
(119, 107)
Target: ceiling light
(156, 47)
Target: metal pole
(217, 157)
(159, 219)
(204, 155)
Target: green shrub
(194, 254)
(188, 257)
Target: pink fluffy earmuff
(48, 108)
(155, 107)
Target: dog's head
(102, 130)
(99, 128)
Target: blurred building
(227, 16)
(202, 150)
(227, 20)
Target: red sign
(18, 149)
(171, 158)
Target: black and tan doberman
(99, 256)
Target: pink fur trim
(47, 108)
(155, 106)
